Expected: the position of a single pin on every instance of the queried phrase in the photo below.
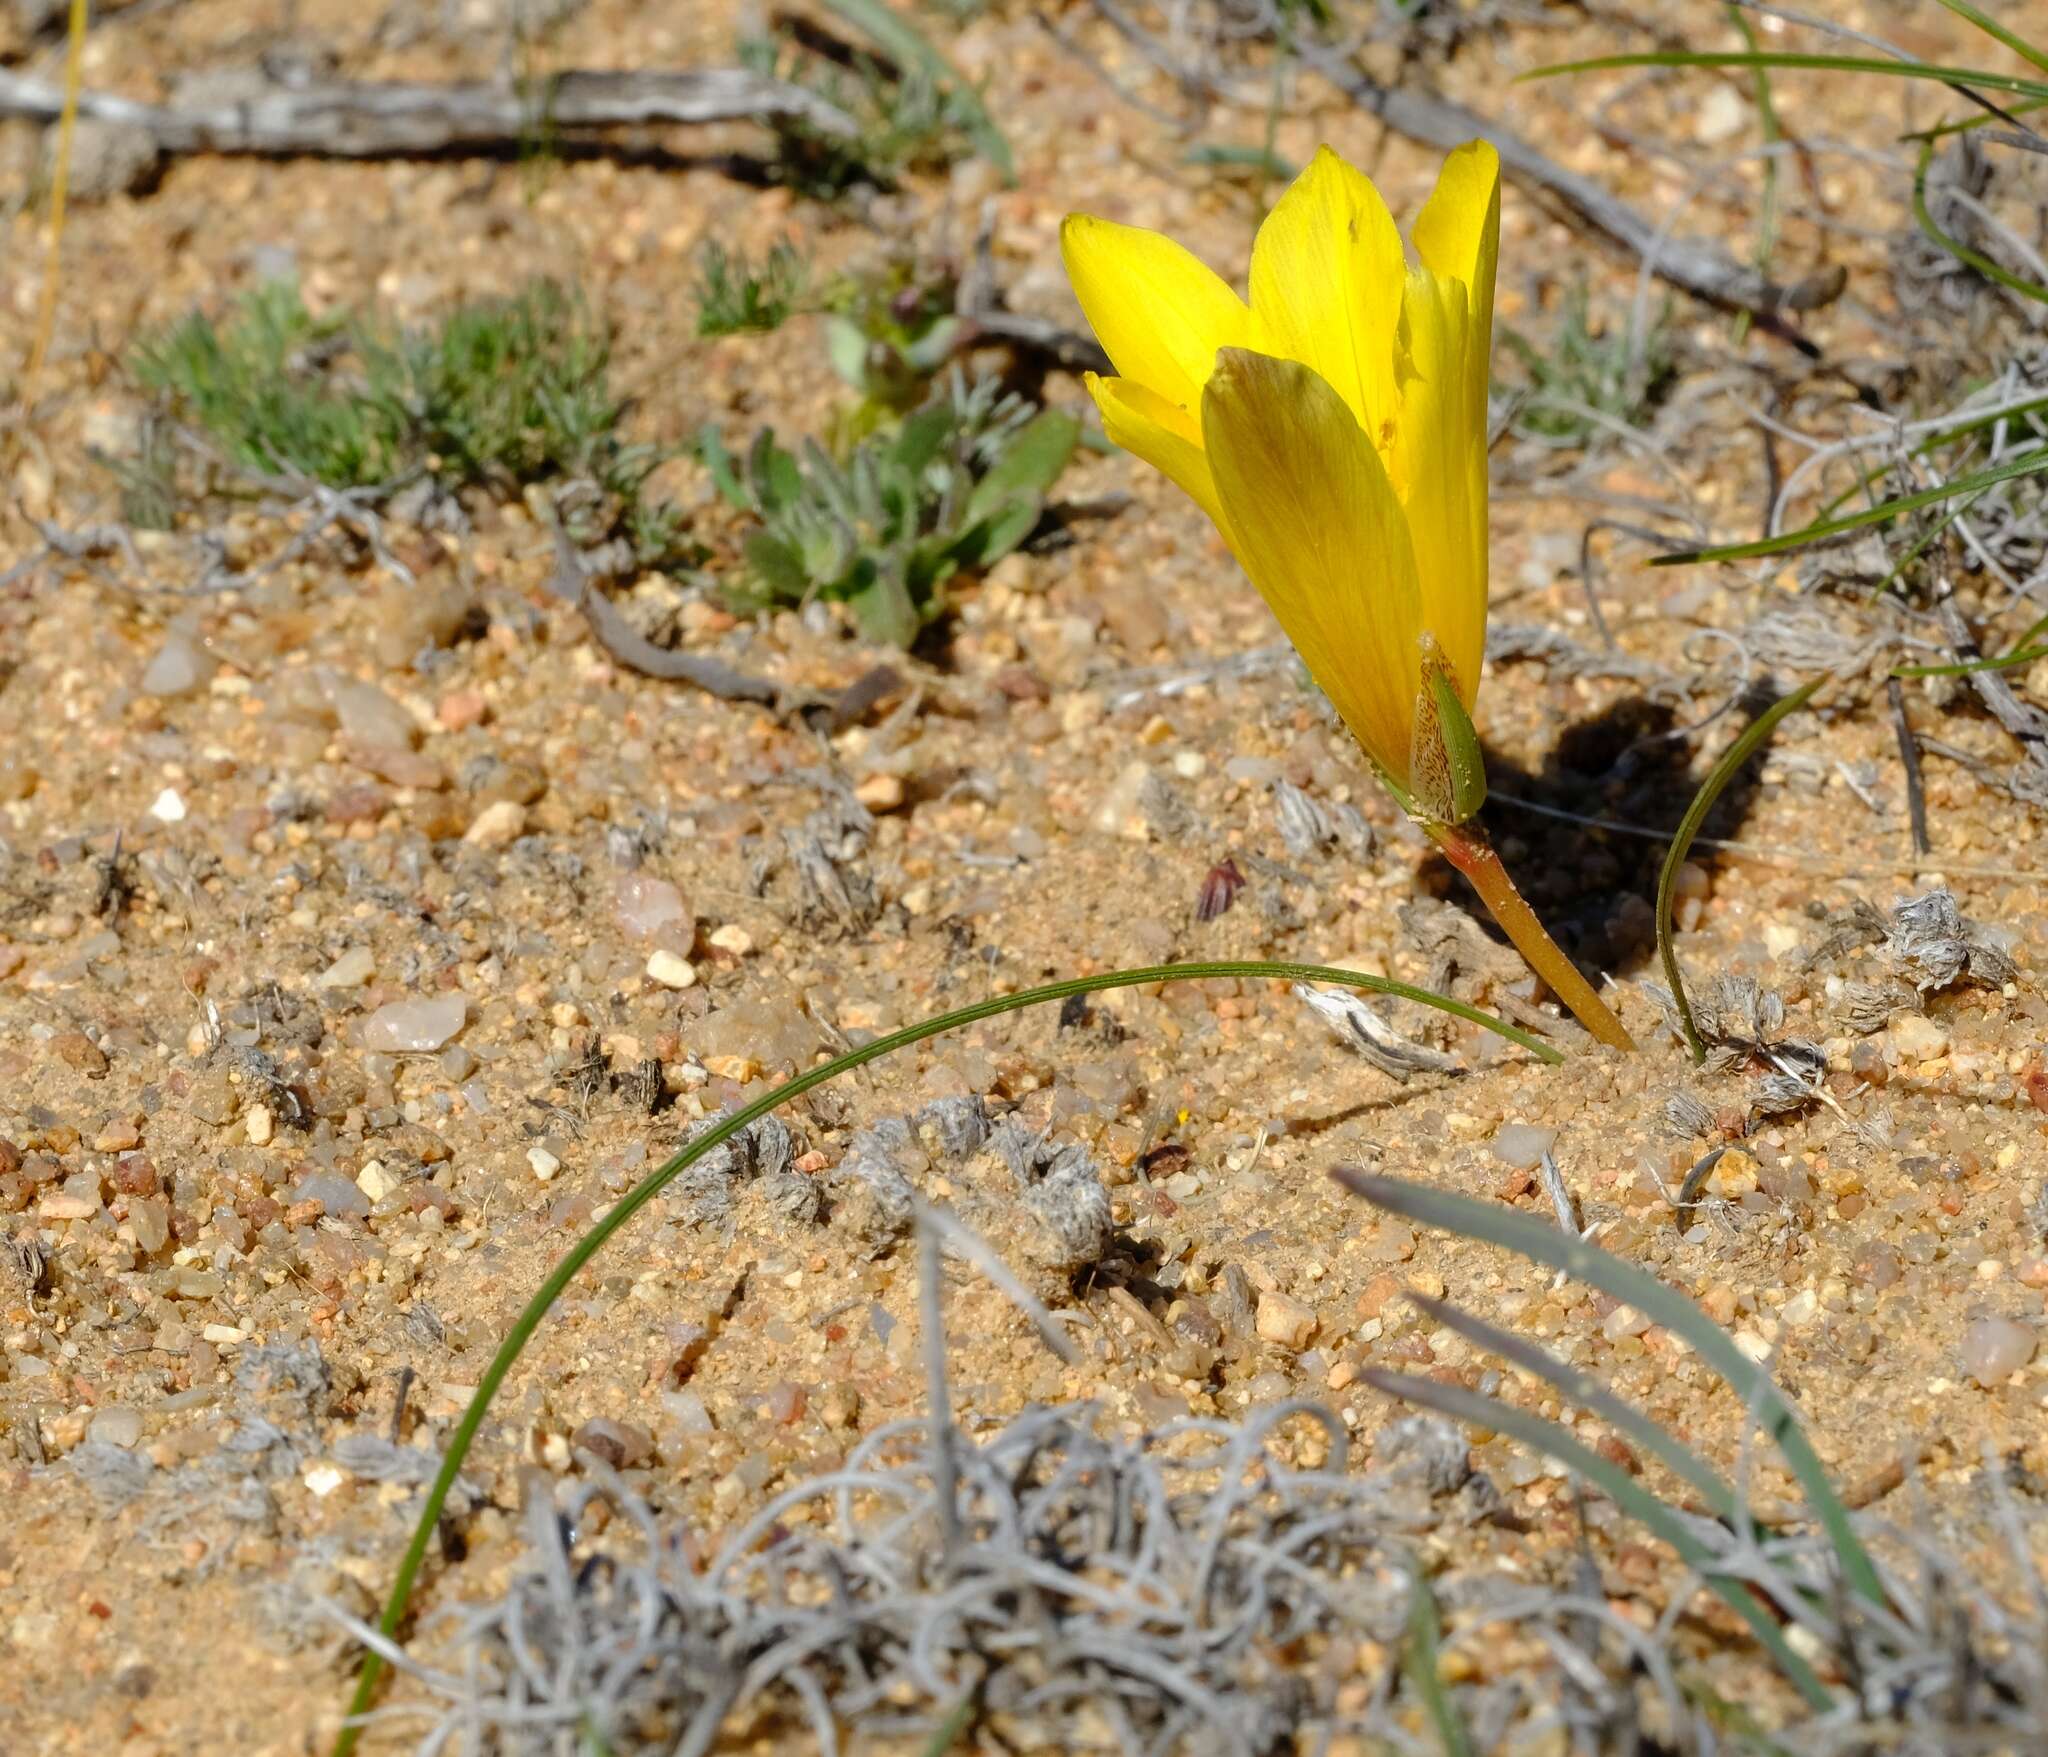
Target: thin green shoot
(1962, 252)
(1624, 1491)
(2010, 469)
(2015, 84)
(1992, 28)
(1422, 1663)
(1767, 207)
(1543, 1242)
(904, 43)
(600, 1233)
(1711, 789)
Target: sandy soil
(208, 1167)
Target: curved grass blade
(1732, 759)
(600, 1233)
(902, 41)
(1963, 667)
(2025, 464)
(1620, 1488)
(1962, 252)
(1544, 1243)
(1589, 1393)
(1990, 26)
(2017, 85)
(1421, 1664)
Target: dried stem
(1469, 851)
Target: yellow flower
(1334, 429)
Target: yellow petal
(1166, 437)
(1440, 460)
(1457, 234)
(1316, 524)
(1439, 450)
(1159, 312)
(1326, 281)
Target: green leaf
(718, 461)
(2026, 464)
(846, 347)
(1992, 28)
(985, 544)
(1423, 1667)
(1590, 1394)
(904, 43)
(776, 565)
(885, 611)
(935, 347)
(1542, 1242)
(1620, 1488)
(1711, 788)
(1243, 158)
(921, 439)
(1031, 463)
(1959, 76)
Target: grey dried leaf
(1363, 1030)
(1354, 834)
(1170, 816)
(1781, 1094)
(1305, 828)
(1845, 931)
(1929, 943)
(1687, 1117)
(1866, 1007)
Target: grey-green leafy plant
(495, 396)
(1585, 371)
(913, 112)
(735, 296)
(957, 486)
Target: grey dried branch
(398, 120)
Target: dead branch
(365, 121)
(631, 648)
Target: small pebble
(115, 1426)
(1994, 1348)
(1286, 1320)
(177, 667)
(351, 970)
(671, 970)
(168, 807)
(413, 1027)
(650, 907)
(733, 939)
(544, 1163)
(1521, 1146)
(375, 1182)
(260, 1124)
(880, 792)
(1917, 1037)
(497, 826)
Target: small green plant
(889, 337)
(1587, 374)
(910, 117)
(735, 297)
(952, 490)
(497, 396)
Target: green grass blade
(1966, 125)
(600, 1233)
(1963, 668)
(1589, 1393)
(2025, 464)
(1957, 76)
(1421, 1665)
(1992, 28)
(1767, 119)
(1711, 788)
(904, 42)
(1542, 1242)
(1962, 252)
(1624, 1491)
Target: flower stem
(1471, 853)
